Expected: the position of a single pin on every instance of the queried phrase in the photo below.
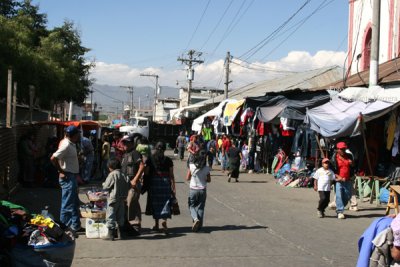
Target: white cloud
(212, 74)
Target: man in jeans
(343, 166)
(65, 159)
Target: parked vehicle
(153, 131)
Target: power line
(230, 27)
(94, 89)
(198, 24)
(301, 23)
(238, 20)
(260, 68)
(216, 26)
(346, 73)
(262, 43)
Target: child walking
(117, 185)
(322, 183)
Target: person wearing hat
(343, 165)
(322, 183)
(132, 166)
(65, 159)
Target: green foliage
(51, 60)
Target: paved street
(251, 223)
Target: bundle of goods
(96, 195)
(290, 177)
(95, 213)
(96, 208)
(33, 240)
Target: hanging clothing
(287, 124)
(395, 148)
(247, 114)
(391, 130)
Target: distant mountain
(110, 98)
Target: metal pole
(374, 63)
(14, 106)
(31, 97)
(70, 110)
(9, 92)
(190, 78)
(91, 102)
(228, 58)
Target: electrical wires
(198, 24)
(247, 55)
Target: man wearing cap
(132, 166)
(65, 159)
(343, 165)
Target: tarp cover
(291, 106)
(217, 111)
(338, 117)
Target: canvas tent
(290, 105)
(217, 111)
(338, 118)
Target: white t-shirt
(199, 177)
(324, 178)
(67, 156)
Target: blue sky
(128, 37)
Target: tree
(51, 60)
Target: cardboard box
(96, 228)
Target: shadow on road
(149, 234)
(253, 182)
(373, 215)
(209, 229)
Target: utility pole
(14, 105)
(190, 62)
(155, 93)
(130, 91)
(227, 71)
(374, 63)
(91, 101)
(9, 97)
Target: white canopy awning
(178, 112)
(338, 117)
(217, 111)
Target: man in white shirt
(65, 159)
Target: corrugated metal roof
(389, 73)
(307, 80)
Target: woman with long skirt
(162, 186)
(234, 156)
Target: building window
(366, 52)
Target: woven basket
(96, 198)
(93, 215)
